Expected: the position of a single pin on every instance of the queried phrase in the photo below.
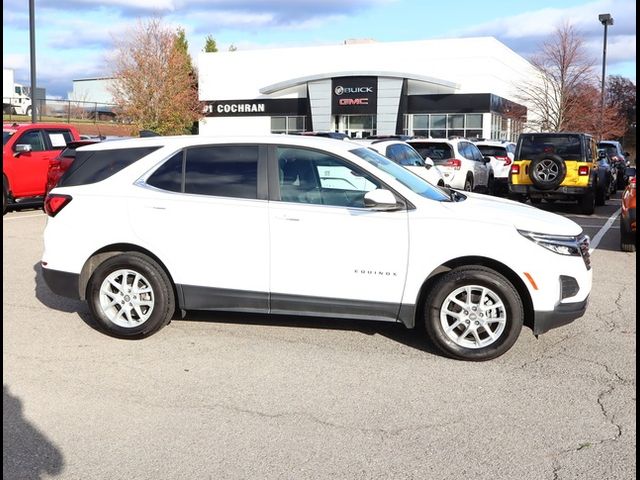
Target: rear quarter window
(97, 165)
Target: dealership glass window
(444, 125)
(455, 121)
(473, 120)
(293, 124)
(357, 126)
(223, 171)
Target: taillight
(583, 170)
(515, 169)
(55, 202)
(506, 160)
(453, 162)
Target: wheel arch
(469, 261)
(99, 256)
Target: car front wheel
(473, 313)
(130, 296)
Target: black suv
(557, 166)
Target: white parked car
(460, 162)
(146, 227)
(404, 154)
(501, 154)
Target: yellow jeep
(556, 166)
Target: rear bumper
(558, 192)
(64, 284)
(562, 314)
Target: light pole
(605, 19)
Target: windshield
(6, 136)
(413, 182)
(491, 151)
(404, 155)
(439, 152)
(567, 147)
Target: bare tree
(562, 68)
(154, 83)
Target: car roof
(183, 141)
(494, 143)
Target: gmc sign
(354, 95)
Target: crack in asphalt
(379, 431)
(611, 325)
(545, 355)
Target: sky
(74, 38)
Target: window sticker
(57, 140)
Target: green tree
(155, 85)
(210, 45)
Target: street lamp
(605, 19)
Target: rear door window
(97, 165)
(222, 171)
(170, 174)
(58, 138)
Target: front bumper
(562, 314)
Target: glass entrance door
(356, 126)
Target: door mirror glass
(381, 200)
(487, 159)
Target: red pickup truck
(26, 152)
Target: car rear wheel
(468, 184)
(473, 313)
(627, 237)
(588, 203)
(130, 296)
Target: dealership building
(438, 88)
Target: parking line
(605, 228)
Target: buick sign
(354, 95)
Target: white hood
(507, 212)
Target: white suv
(460, 162)
(404, 154)
(501, 154)
(148, 227)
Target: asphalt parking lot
(221, 396)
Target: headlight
(562, 244)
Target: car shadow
(27, 454)
(415, 338)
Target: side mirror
(601, 154)
(627, 154)
(429, 163)
(487, 159)
(22, 148)
(381, 200)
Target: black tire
(601, 195)
(535, 200)
(588, 203)
(468, 184)
(547, 171)
(161, 296)
(438, 302)
(627, 237)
